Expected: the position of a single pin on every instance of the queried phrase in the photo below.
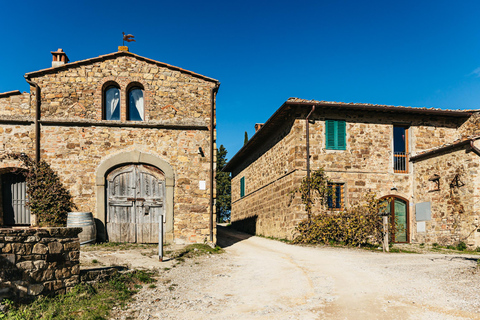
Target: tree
(245, 140)
(223, 180)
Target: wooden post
(160, 238)
(385, 234)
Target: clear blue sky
(412, 53)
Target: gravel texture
(257, 278)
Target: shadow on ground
(227, 236)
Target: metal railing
(400, 162)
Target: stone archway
(133, 157)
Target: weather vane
(128, 38)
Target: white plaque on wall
(202, 185)
(421, 226)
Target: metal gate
(14, 199)
(135, 197)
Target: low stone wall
(38, 261)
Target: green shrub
(461, 246)
(359, 225)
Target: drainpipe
(212, 141)
(475, 149)
(308, 154)
(37, 119)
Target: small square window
(335, 201)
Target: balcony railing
(400, 161)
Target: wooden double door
(135, 203)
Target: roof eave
(111, 56)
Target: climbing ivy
(314, 190)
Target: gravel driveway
(259, 278)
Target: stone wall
(16, 105)
(76, 92)
(270, 175)
(454, 206)
(38, 261)
(75, 139)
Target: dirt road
(259, 278)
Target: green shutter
(335, 134)
(341, 135)
(242, 187)
(330, 134)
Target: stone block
(62, 273)
(26, 265)
(70, 246)
(75, 270)
(35, 289)
(8, 248)
(32, 239)
(40, 249)
(7, 259)
(74, 255)
(55, 247)
(40, 264)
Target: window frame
(135, 86)
(335, 134)
(106, 87)
(399, 157)
(340, 186)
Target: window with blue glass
(112, 103)
(335, 135)
(335, 198)
(135, 104)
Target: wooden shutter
(330, 134)
(242, 187)
(341, 135)
(335, 134)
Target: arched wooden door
(135, 203)
(398, 209)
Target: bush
(359, 225)
(461, 246)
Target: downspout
(308, 156)
(212, 142)
(37, 119)
(475, 149)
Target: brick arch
(124, 84)
(133, 157)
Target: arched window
(112, 103)
(135, 104)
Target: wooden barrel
(83, 220)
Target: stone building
(396, 152)
(131, 138)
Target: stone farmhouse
(131, 138)
(426, 160)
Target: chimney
(59, 58)
(258, 126)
